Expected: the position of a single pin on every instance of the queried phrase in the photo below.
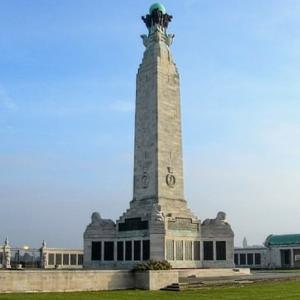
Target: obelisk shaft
(158, 171)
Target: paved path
(256, 276)
(274, 274)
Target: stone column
(6, 255)
(102, 251)
(192, 250)
(215, 251)
(292, 258)
(115, 250)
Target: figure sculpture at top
(157, 16)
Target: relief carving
(170, 178)
(157, 215)
(219, 220)
(97, 221)
(145, 180)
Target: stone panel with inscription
(183, 224)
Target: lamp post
(25, 257)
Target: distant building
(44, 257)
(279, 251)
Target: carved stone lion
(157, 215)
(98, 221)
(219, 220)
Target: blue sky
(67, 92)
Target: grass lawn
(271, 290)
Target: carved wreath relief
(145, 180)
(142, 181)
(170, 178)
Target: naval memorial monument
(158, 224)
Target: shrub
(153, 265)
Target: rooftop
(282, 240)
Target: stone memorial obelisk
(158, 225)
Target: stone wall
(213, 272)
(99, 280)
(270, 257)
(75, 280)
(64, 281)
(252, 257)
(155, 280)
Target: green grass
(271, 290)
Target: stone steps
(176, 287)
(199, 283)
